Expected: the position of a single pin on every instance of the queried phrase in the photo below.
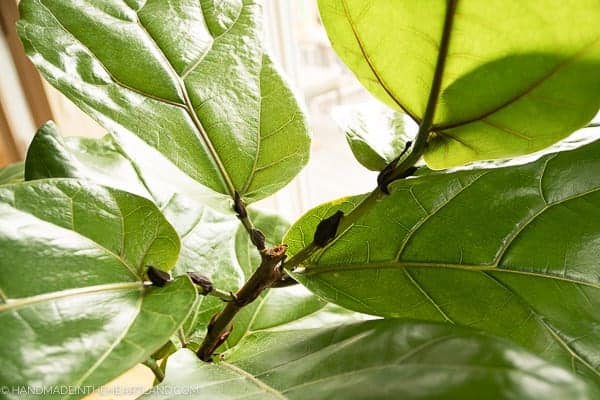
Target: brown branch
(265, 275)
(256, 236)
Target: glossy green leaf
(374, 132)
(48, 157)
(212, 243)
(199, 89)
(459, 247)
(518, 76)
(382, 359)
(12, 173)
(74, 308)
(134, 167)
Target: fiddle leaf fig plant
(506, 79)
(141, 247)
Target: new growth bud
(327, 229)
(157, 277)
(201, 281)
(258, 239)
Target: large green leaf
(12, 173)
(518, 76)
(199, 89)
(212, 243)
(512, 250)
(371, 360)
(74, 308)
(105, 161)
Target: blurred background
(296, 39)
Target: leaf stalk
(155, 368)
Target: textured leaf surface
(374, 132)
(212, 243)
(73, 304)
(518, 76)
(199, 89)
(126, 165)
(371, 360)
(12, 173)
(459, 247)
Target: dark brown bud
(239, 207)
(258, 239)
(157, 277)
(327, 229)
(201, 281)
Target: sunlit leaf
(212, 243)
(518, 76)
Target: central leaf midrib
(186, 105)
(319, 269)
(16, 303)
(494, 265)
(189, 108)
(466, 121)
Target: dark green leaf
(513, 251)
(382, 359)
(48, 157)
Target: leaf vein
(525, 92)
(250, 378)
(430, 299)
